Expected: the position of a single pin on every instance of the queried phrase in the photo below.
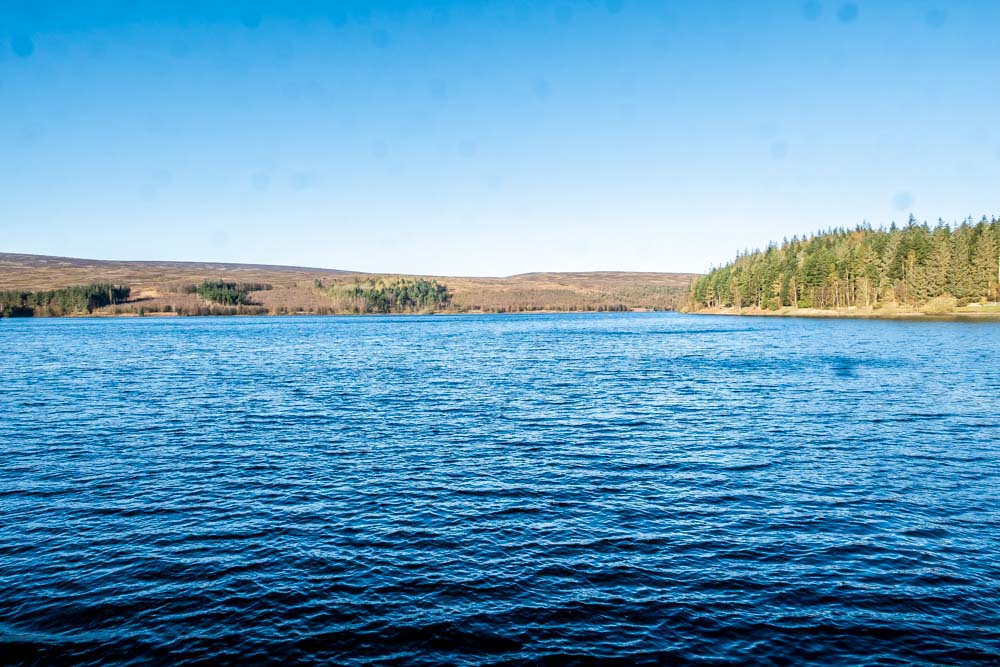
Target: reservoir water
(521, 489)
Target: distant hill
(18, 271)
(160, 286)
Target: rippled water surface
(499, 489)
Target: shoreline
(443, 313)
(855, 314)
(807, 313)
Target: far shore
(106, 314)
(987, 313)
(161, 288)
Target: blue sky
(487, 138)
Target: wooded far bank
(935, 270)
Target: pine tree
(960, 283)
(984, 265)
(938, 263)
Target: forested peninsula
(910, 270)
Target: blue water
(499, 489)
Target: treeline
(393, 295)
(862, 267)
(66, 301)
(226, 293)
(576, 308)
(564, 299)
(153, 308)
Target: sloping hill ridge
(157, 285)
(48, 272)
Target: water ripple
(612, 489)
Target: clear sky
(487, 138)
